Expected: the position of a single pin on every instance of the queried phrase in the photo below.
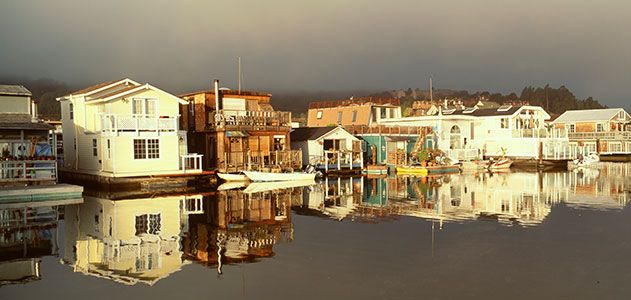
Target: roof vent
(505, 107)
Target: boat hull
(269, 177)
(232, 177)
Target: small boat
(500, 165)
(231, 185)
(268, 176)
(412, 170)
(232, 177)
(587, 160)
(257, 187)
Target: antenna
(431, 91)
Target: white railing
(191, 163)
(115, 124)
(609, 135)
(249, 119)
(539, 133)
(560, 151)
(338, 160)
(463, 154)
(28, 170)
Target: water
(562, 235)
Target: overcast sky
(325, 45)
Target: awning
(236, 134)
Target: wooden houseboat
(603, 131)
(238, 130)
(329, 149)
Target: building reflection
(28, 232)
(237, 227)
(523, 199)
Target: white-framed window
(144, 107)
(95, 150)
(503, 123)
(354, 116)
(614, 147)
(621, 115)
(591, 147)
(454, 137)
(71, 110)
(109, 149)
(600, 127)
(148, 224)
(571, 128)
(339, 117)
(146, 148)
(319, 114)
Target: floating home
(124, 129)
(239, 130)
(603, 131)
(518, 132)
(329, 149)
(367, 119)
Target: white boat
(587, 160)
(231, 185)
(268, 176)
(232, 176)
(257, 187)
(501, 165)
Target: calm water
(502, 236)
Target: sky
(494, 45)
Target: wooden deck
(48, 195)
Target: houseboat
(329, 149)
(516, 132)
(238, 130)
(125, 129)
(606, 132)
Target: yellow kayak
(409, 170)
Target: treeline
(555, 100)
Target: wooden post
(540, 153)
(338, 161)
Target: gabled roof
(128, 87)
(16, 90)
(586, 115)
(309, 133)
(99, 87)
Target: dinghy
(232, 176)
(501, 165)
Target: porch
(113, 124)
(338, 160)
(260, 160)
(28, 154)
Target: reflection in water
(26, 234)
(510, 198)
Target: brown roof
(358, 101)
(93, 87)
(229, 92)
(119, 91)
(309, 133)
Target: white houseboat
(328, 148)
(125, 129)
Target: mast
(239, 75)
(431, 91)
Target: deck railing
(249, 120)
(337, 160)
(191, 163)
(463, 154)
(539, 133)
(389, 130)
(257, 160)
(28, 170)
(608, 135)
(116, 124)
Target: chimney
(217, 108)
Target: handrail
(32, 170)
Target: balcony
(130, 124)
(249, 120)
(539, 133)
(261, 160)
(608, 135)
(28, 170)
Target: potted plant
(423, 156)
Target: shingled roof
(15, 90)
(309, 133)
(587, 115)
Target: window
(599, 127)
(148, 223)
(354, 116)
(454, 137)
(383, 112)
(621, 115)
(144, 107)
(95, 151)
(339, 117)
(504, 123)
(571, 128)
(71, 111)
(615, 147)
(146, 148)
(109, 149)
(319, 115)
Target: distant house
(605, 131)
(244, 133)
(27, 148)
(328, 148)
(123, 129)
(352, 112)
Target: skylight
(449, 111)
(469, 110)
(504, 107)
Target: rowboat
(232, 177)
(257, 187)
(268, 176)
(412, 170)
(502, 164)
